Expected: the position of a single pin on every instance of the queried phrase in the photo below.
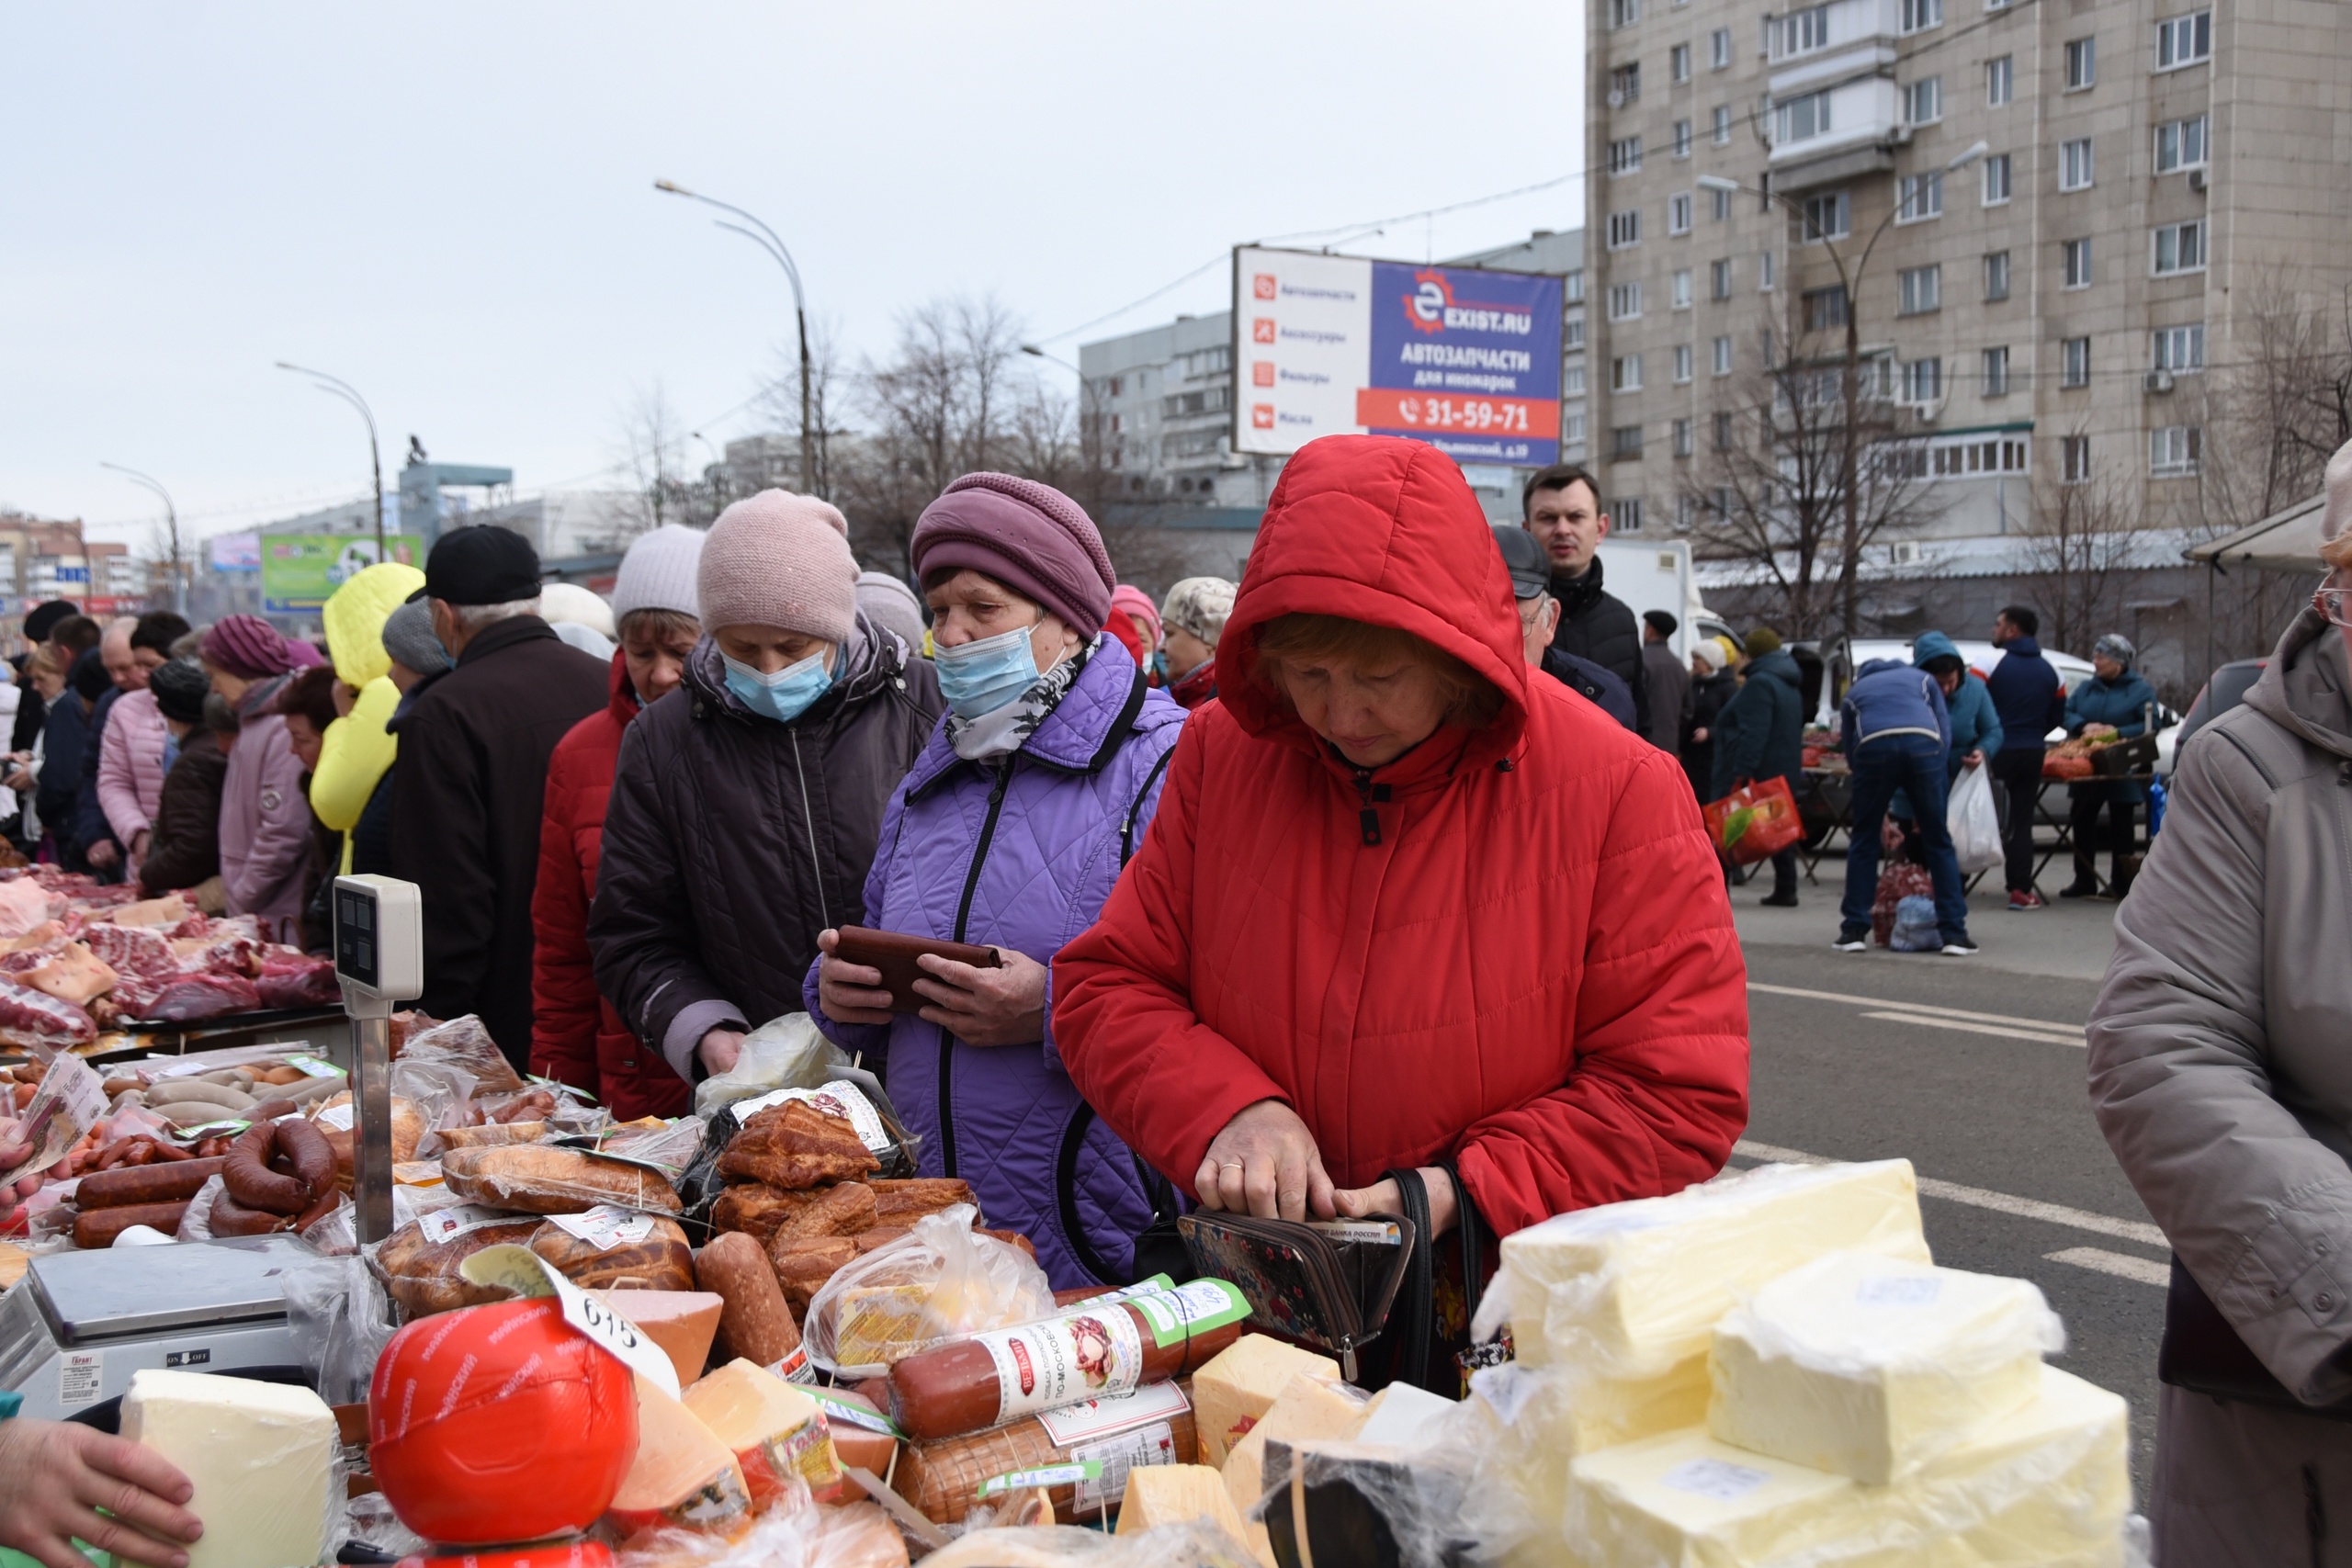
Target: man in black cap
(1666, 679)
(472, 770)
(1539, 616)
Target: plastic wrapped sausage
(756, 1321)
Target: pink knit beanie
(1029, 536)
(249, 647)
(779, 559)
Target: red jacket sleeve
(1165, 1082)
(1659, 1092)
(564, 1007)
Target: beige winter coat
(2221, 1071)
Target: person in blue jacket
(2030, 699)
(2117, 700)
(1896, 731)
(1976, 726)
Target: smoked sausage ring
(249, 1182)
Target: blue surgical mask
(980, 677)
(785, 695)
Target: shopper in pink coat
(264, 817)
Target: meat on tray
(132, 950)
(301, 982)
(27, 1012)
(183, 999)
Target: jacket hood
(1779, 665)
(2307, 686)
(869, 660)
(624, 704)
(1933, 645)
(354, 615)
(1878, 667)
(1381, 530)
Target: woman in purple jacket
(1009, 832)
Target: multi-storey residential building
(2046, 222)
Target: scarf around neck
(999, 734)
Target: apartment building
(2046, 222)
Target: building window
(1626, 512)
(2074, 362)
(1682, 361)
(1719, 49)
(1996, 372)
(1722, 357)
(1799, 32)
(1919, 290)
(2000, 82)
(2177, 349)
(1624, 302)
(1625, 85)
(1920, 15)
(1576, 285)
(1683, 438)
(1625, 373)
(1800, 120)
(1997, 275)
(1996, 179)
(1826, 217)
(1575, 430)
(1625, 156)
(2185, 40)
(2180, 247)
(1572, 334)
(1677, 213)
(1720, 209)
(1921, 197)
(1682, 138)
(1764, 273)
(1923, 101)
(1572, 382)
(2075, 164)
(1923, 380)
(1682, 288)
(1624, 229)
(1722, 124)
(2174, 450)
(1624, 12)
(1824, 308)
(1726, 429)
(2074, 262)
(2074, 460)
(1719, 280)
(1624, 443)
(2082, 63)
(1678, 63)
(2180, 144)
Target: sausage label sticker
(1043, 1366)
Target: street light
(350, 394)
(1091, 431)
(767, 239)
(172, 515)
(1850, 280)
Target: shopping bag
(1915, 928)
(1896, 882)
(1754, 823)
(1976, 825)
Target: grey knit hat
(658, 574)
(890, 603)
(410, 639)
(1199, 605)
(2115, 646)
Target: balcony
(1837, 133)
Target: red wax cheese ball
(498, 1423)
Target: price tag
(460, 1219)
(313, 1067)
(1155, 1444)
(839, 1409)
(1178, 1314)
(524, 1272)
(337, 1116)
(1070, 1475)
(605, 1227)
(1093, 1419)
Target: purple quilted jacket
(1021, 856)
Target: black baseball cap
(43, 618)
(1531, 571)
(481, 565)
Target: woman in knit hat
(746, 805)
(264, 818)
(1009, 832)
(576, 1037)
(184, 846)
(1192, 619)
(1134, 621)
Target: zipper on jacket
(963, 916)
(1370, 794)
(809, 818)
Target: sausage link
(312, 1155)
(229, 1217)
(98, 1227)
(954, 1389)
(252, 1183)
(753, 1315)
(143, 1184)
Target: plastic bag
(1754, 823)
(196, 1219)
(1193, 1543)
(784, 1053)
(942, 1281)
(1976, 825)
(1895, 883)
(1915, 928)
(857, 1536)
(464, 1042)
(340, 1320)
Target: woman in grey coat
(2221, 1071)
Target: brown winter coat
(2220, 1072)
(184, 846)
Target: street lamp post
(172, 522)
(350, 394)
(1850, 280)
(767, 239)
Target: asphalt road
(1976, 1078)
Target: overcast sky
(451, 205)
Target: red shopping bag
(1754, 823)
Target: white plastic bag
(1975, 826)
(784, 1053)
(943, 1281)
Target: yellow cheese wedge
(683, 1323)
(260, 1456)
(683, 1475)
(1171, 1494)
(1242, 1383)
(1310, 1407)
(774, 1429)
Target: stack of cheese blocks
(1769, 1370)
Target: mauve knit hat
(658, 574)
(1029, 536)
(779, 559)
(248, 646)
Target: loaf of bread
(423, 1277)
(663, 1262)
(756, 1210)
(796, 1145)
(492, 1134)
(541, 1178)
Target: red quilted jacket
(576, 1037)
(1534, 969)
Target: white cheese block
(1868, 1367)
(260, 1455)
(1631, 1289)
(1310, 1407)
(2045, 1485)
(1242, 1383)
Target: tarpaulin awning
(2286, 540)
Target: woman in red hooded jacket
(1403, 908)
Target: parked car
(1845, 657)
(2224, 690)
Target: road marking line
(1978, 1197)
(1927, 1021)
(2115, 1263)
(2069, 1029)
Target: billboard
(299, 571)
(1465, 359)
(236, 552)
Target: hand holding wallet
(893, 954)
(1328, 1284)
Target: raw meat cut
(24, 904)
(26, 1013)
(302, 983)
(180, 998)
(132, 950)
(72, 974)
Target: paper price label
(460, 1219)
(313, 1067)
(839, 1409)
(1153, 1445)
(1070, 1475)
(605, 1227)
(1093, 1419)
(1176, 1316)
(526, 1273)
(1715, 1479)
(840, 1097)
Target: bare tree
(827, 383)
(2079, 544)
(651, 451)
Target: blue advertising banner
(1466, 360)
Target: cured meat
(794, 1145)
(24, 904)
(132, 950)
(304, 983)
(27, 1012)
(72, 974)
(179, 999)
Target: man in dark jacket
(1896, 733)
(472, 771)
(1562, 508)
(1667, 680)
(40, 621)
(2030, 701)
(1760, 735)
(1539, 615)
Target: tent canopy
(2286, 540)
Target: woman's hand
(103, 854)
(849, 993)
(1265, 1163)
(1004, 1006)
(1382, 1198)
(718, 1048)
(54, 1476)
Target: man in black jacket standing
(471, 775)
(1562, 508)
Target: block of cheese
(1310, 1407)
(774, 1429)
(2048, 1483)
(682, 1476)
(1868, 1367)
(1242, 1383)
(1403, 1415)
(260, 1455)
(683, 1323)
(1628, 1289)
(1172, 1493)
